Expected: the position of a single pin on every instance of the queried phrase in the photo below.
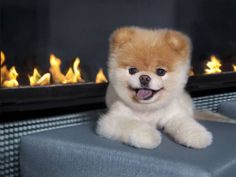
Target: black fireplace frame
(87, 96)
(28, 98)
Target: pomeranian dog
(148, 70)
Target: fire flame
(37, 79)
(100, 78)
(55, 69)
(8, 77)
(12, 78)
(213, 65)
(77, 70)
(2, 57)
(3, 68)
(73, 74)
(234, 67)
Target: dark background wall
(31, 30)
(24, 35)
(211, 25)
(82, 28)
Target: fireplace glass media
(56, 51)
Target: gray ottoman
(228, 108)
(78, 152)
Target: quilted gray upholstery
(228, 108)
(78, 152)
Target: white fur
(138, 128)
(136, 122)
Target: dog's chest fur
(160, 116)
(157, 117)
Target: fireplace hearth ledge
(48, 97)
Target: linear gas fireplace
(53, 53)
(9, 77)
(54, 59)
(52, 89)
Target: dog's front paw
(144, 137)
(196, 138)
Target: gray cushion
(78, 152)
(228, 108)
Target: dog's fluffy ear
(121, 36)
(179, 42)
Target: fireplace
(58, 60)
(53, 59)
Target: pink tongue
(143, 94)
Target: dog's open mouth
(145, 93)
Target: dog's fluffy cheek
(156, 83)
(118, 76)
(173, 85)
(119, 79)
(133, 81)
(176, 80)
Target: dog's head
(148, 67)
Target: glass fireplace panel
(211, 27)
(67, 40)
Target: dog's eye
(133, 70)
(160, 72)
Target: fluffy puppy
(148, 70)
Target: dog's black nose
(144, 80)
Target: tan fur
(135, 121)
(212, 116)
(132, 46)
